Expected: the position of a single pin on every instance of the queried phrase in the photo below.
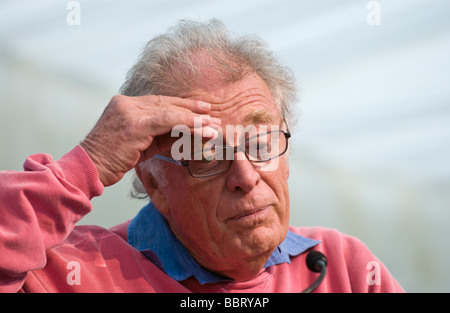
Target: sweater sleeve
(39, 208)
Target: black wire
(318, 280)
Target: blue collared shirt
(149, 233)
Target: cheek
(278, 182)
(283, 174)
(192, 211)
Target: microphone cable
(316, 262)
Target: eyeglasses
(218, 159)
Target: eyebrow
(261, 117)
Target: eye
(207, 160)
(208, 155)
(263, 145)
(205, 165)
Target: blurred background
(371, 150)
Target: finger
(164, 142)
(165, 122)
(196, 106)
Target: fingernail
(204, 105)
(216, 120)
(210, 132)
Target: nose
(242, 175)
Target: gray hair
(169, 66)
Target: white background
(372, 147)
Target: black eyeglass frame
(185, 163)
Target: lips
(249, 214)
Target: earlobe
(153, 191)
(287, 169)
(160, 202)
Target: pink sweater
(41, 250)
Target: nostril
(242, 175)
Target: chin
(256, 245)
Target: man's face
(231, 222)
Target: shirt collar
(149, 233)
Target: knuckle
(117, 99)
(157, 121)
(158, 100)
(118, 103)
(165, 118)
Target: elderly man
(218, 219)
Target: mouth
(250, 216)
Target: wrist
(80, 171)
(106, 176)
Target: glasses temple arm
(161, 157)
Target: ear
(285, 164)
(287, 168)
(153, 190)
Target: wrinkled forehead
(248, 101)
(251, 106)
(247, 115)
(235, 135)
(245, 107)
